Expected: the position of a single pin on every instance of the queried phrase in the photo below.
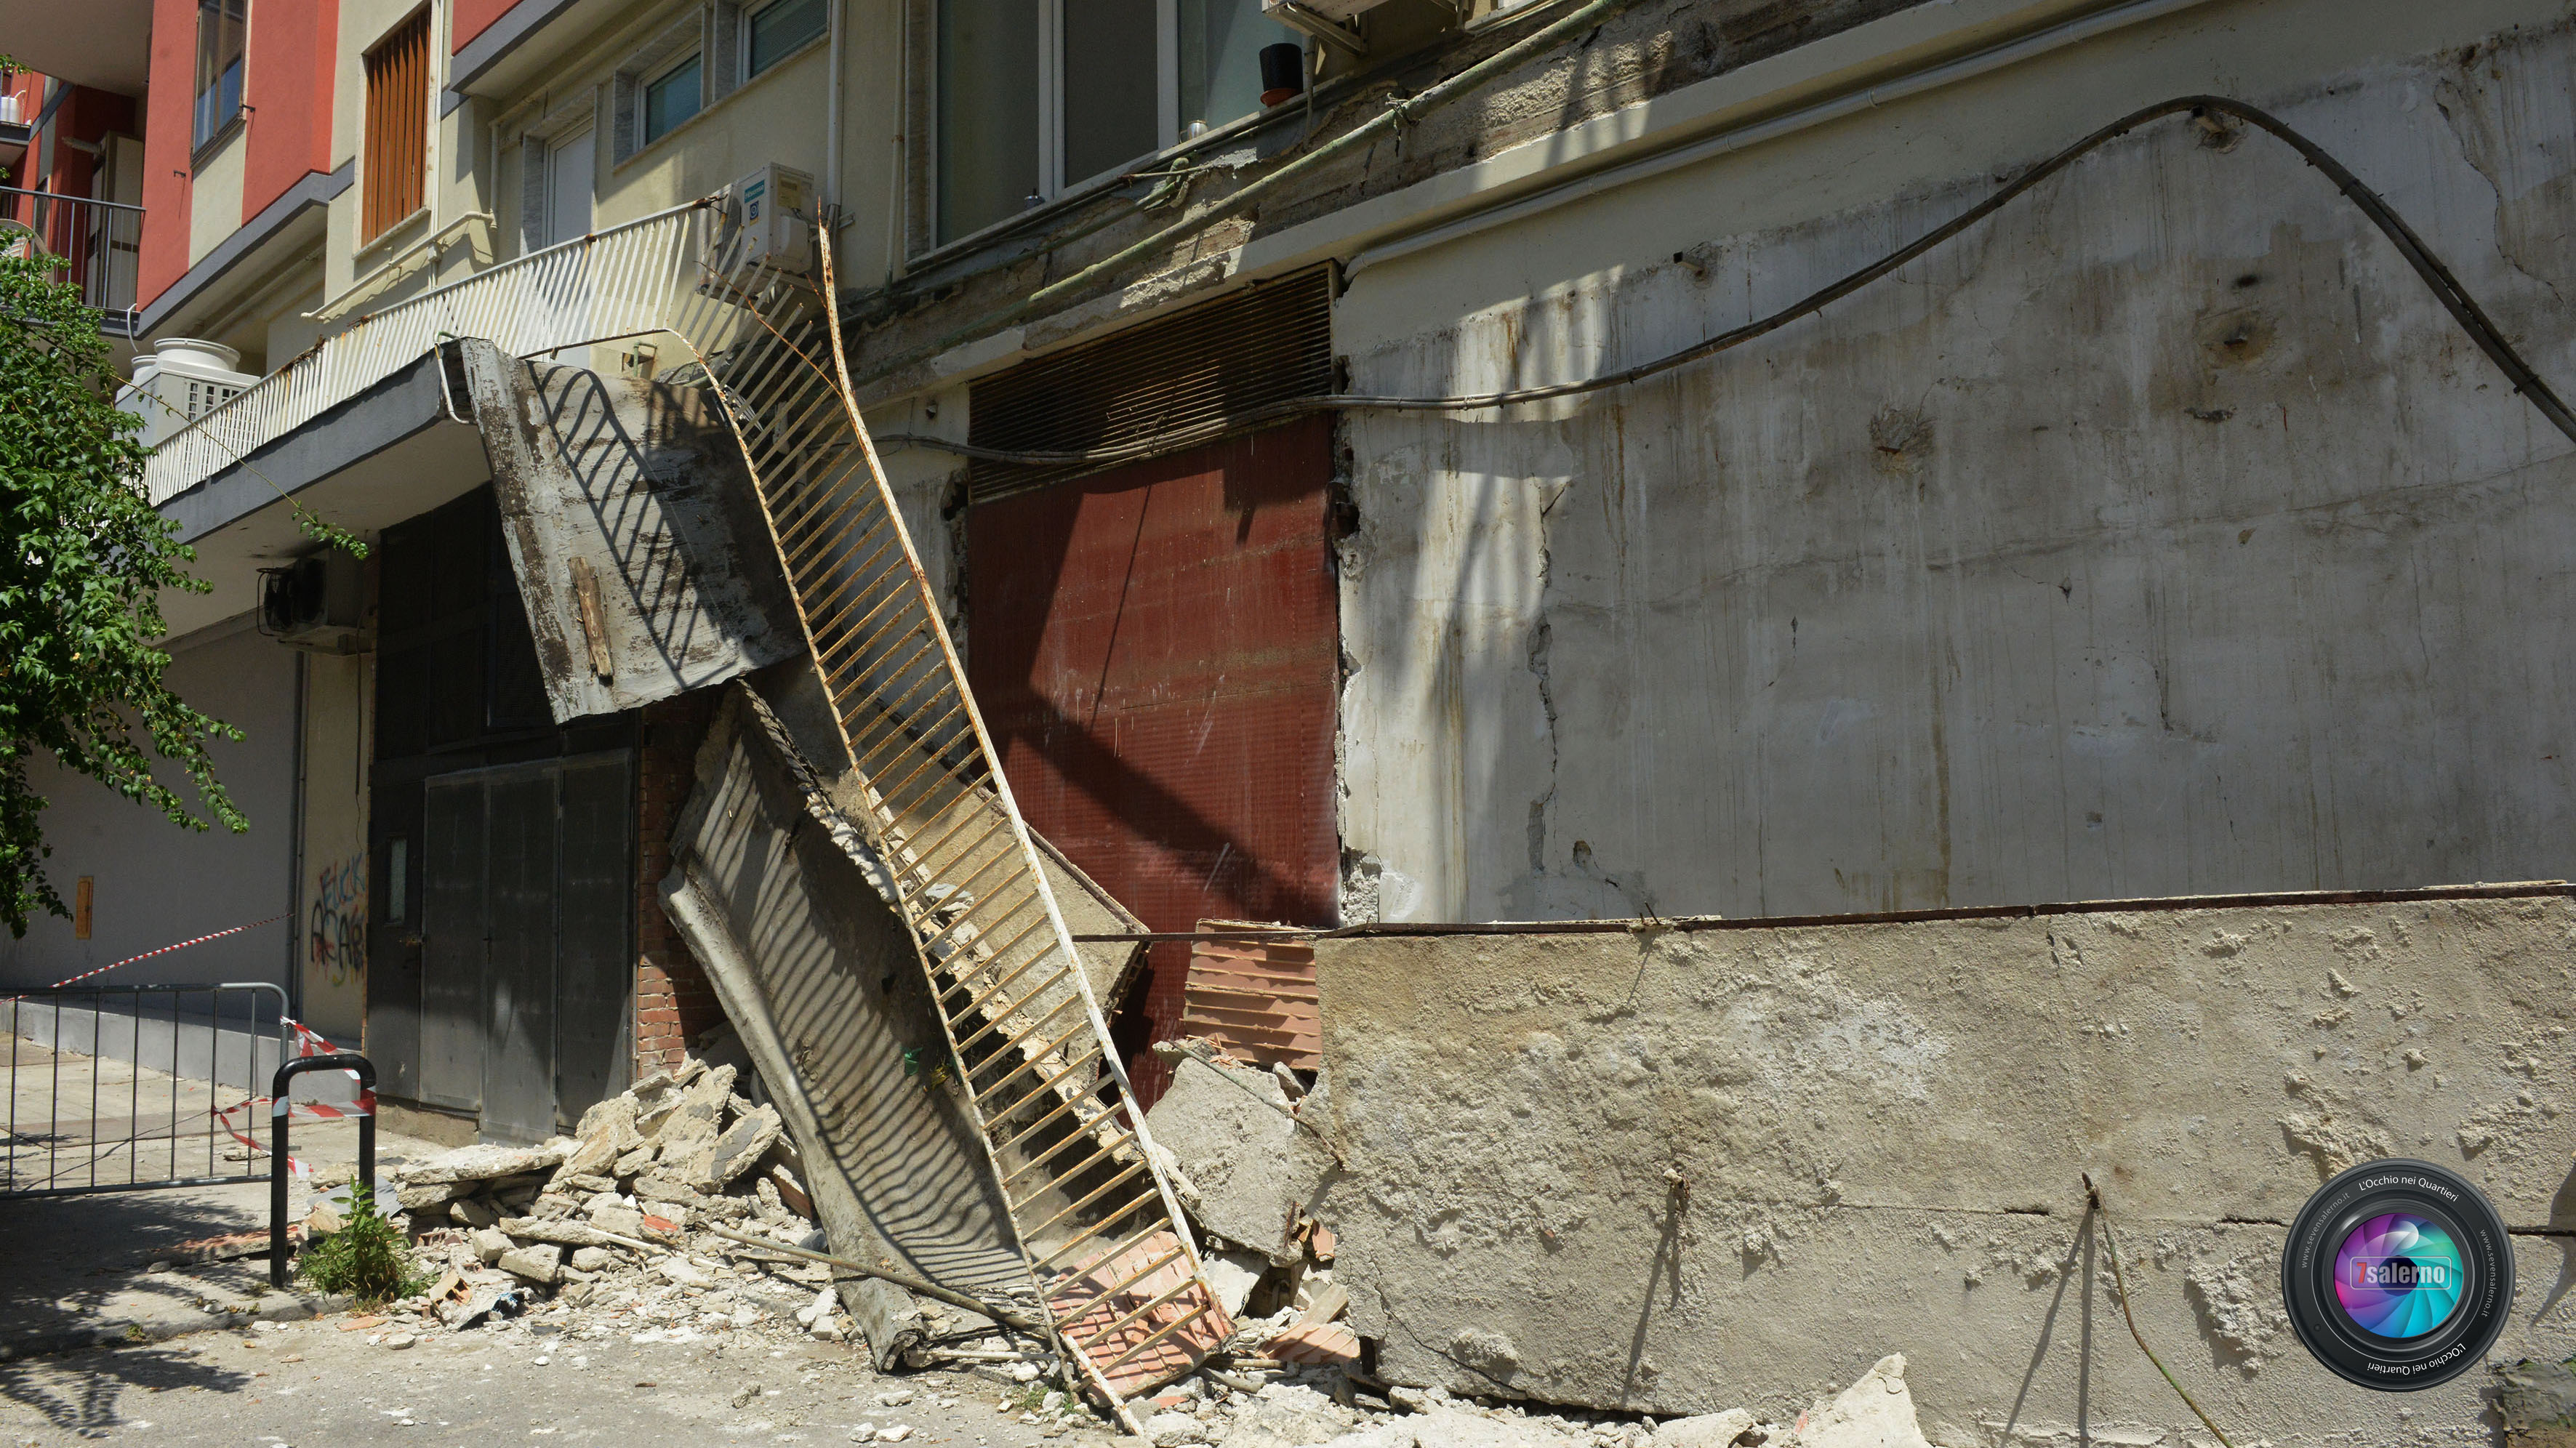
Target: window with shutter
(397, 142)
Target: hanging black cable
(2436, 275)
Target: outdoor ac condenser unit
(318, 602)
(776, 204)
(183, 380)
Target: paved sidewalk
(77, 1270)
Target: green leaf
(83, 560)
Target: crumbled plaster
(2239, 1302)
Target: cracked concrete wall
(2161, 536)
(1875, 1133)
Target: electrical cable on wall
(2436, 275)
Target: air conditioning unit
(317, 602)
(775, 206)
(183, 380)
(1319, 17)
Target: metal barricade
(118, 1088)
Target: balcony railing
(95, 242)
(621, 281)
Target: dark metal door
(454, 922)
(528, 954)
(519, 968)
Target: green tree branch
(83, 559)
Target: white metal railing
(622, 281)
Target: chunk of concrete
(486, 1163)
(1232, 1276)
(607, 1133)
(488, 1244)
(697, 1120)
(1876, 1412)
(1253, 1168)
(540, 1263)
(740, 1148)
(1704, 1430)
(1284, 1415)
(1457, 1428)
(429, 1195)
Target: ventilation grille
(1185, 375)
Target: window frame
(747, 70)
(1053, 183)
(387, 199)
(204, 128)
(661, 75)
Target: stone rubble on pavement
(604, 1235)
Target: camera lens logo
(2398, 1276)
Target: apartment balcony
(94, 244)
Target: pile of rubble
(677, 1213)
(628, 1219)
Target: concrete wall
(333, 871)
(158, 884)
(1880, 1129)
(2162, 536)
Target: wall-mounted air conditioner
(317, 602)
(775, 205)
(183, 380)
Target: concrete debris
(1876, 1412)
(1254, 1167)
(1706, 1430)
(2537, 1400)
(476, 1164)
(612, 1222)
(1233, 1275)
(1290, 1416)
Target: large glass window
(988, 113)
(1220, 44)
(1026, 111)
(773, 32)
(672, 97)
(222, 31)
(1110, 95)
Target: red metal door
(1155, 650)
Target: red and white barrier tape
(308, 1042)
(164, 950)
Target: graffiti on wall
(336, 932)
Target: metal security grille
(1190, 378)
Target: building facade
(2163, 533)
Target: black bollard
(337, 1061)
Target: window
(672, 97)
(1025, 112)
(222, 27)
(397, 140)
(775, 31)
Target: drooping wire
(2428, 266)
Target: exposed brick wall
(673, 1000)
